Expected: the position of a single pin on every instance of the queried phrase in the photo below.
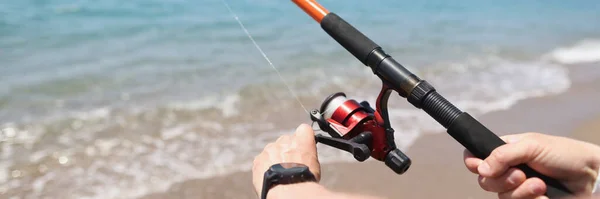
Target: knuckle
(270, 146)
(283, 138)
(499, 156)
(503, 196)
(533, 148)
(530, 144)
(532, 135)
(473, 170)
(533, 143)
(288, 153)
(284, 146)
(483, 183)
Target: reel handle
(397, 161)
(361, 152)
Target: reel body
(360, 130)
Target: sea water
(117, 99)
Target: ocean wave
(111, 152)
(496, 83)
(585, 51)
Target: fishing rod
(366, 132)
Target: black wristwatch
(285, 173)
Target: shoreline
(437, 158)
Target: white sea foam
(4, 172)
(227, 104)
(131, 167)
(124, 169)
(206, 102)
(170, 133)
(585, 51)
(534, 79)
(93, 114)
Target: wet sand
(437, 170)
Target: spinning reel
(360, 130)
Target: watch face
(288, 168)
(289, 172)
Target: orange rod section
(312, 8)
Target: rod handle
(480, 141)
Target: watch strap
(266, 186)
(277, 174)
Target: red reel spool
(346, 115)
(349, 118)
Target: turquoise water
(142, 94)
(66, 50)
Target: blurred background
(170, 98)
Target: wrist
(299, 190)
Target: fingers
(471, 161)
(510, 180)
(496, 174)
(531, 188)
(506, 156)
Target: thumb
(513, 138)
(506, 156)
(304, 136)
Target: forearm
(309, 190)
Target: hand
(574, 163)
(298, 148)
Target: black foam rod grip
(349, 37)
(480, 141)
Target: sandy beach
(437, 170)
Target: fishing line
(269, 61)
(263, 54)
